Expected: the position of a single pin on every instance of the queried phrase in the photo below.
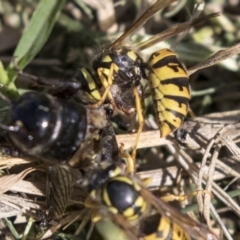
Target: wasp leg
(96, 216)
(139, 109)
(54, 83)
(102, 100)
(181, 198)
(107, 83)
(62, 88)
(146, 181)
(127, 157)
(90, 203)
(44, 81)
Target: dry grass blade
(206, 129)
(7, 162)
(204, 206)
(61, 223)
(29, 187)
(8, 211)
(7, 181)
(85, 216)
(226, 233)
(20, 204)
(207, 197)
(217, 141)
(191, 168)
(216, 58)
(147, 139)
(203, 128)
(231, 145)
(166, 177)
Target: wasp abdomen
(48, 128)
(170, 90)
(157, 227)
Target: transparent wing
(174, 30)
(194, 229)
(157, 6)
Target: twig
(217, 217)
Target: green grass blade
(3, 75)
(7, 88)
(36, 34)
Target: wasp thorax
(128, 66)
(121, 196)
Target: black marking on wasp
(180, 82)
(170, 61)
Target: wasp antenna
(9, 128)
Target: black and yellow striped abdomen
(157, 227)
(170, 90)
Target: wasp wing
(194, 229)
(157, 6)
(174, 30)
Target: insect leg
(67, 84)
(140, 121)
(127, 157)
(89, 203)
(102, 100)
(107, 83)
(181, 198)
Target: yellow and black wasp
(120, 70)
(126, 200)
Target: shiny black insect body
(50, 128)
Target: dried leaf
(7, 181)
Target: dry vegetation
(203, 154)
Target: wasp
(125, 199)
(50, 128)
(120, 70)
